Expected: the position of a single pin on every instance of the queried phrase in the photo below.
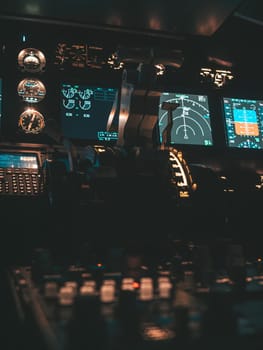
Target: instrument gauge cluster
(31, 90)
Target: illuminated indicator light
(156, 333)
(86, 290)
(99, 265)
(259, 259)
(222, 280)
(218, 77)
(66, 295)
(107, 293)
(184, 194)
(194, 186)
(136, 285)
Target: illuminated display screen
(190, 120)
(88, 112)
(244, 122)
(12, 160)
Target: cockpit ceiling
(166, 17)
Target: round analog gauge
(31, 60)
(31, 121)
(31, 90)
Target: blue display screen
(88, 112)
(243, 122)
(19, 160)
(190, 120)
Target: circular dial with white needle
(31, 121)
(31, 90)
(31, 60)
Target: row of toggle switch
(108, 291)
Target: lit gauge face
(31, 121)
(31, 60)
(31, 90)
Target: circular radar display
(190, 121)
(31, 121)
(31, 90)
(31, 60)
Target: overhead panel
(174, 17)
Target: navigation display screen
(190, 119)
(15, 160)
(89, 112)
(243, 122)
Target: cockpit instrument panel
(243, 122)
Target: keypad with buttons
(20, 182)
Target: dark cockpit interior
(131, 173)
